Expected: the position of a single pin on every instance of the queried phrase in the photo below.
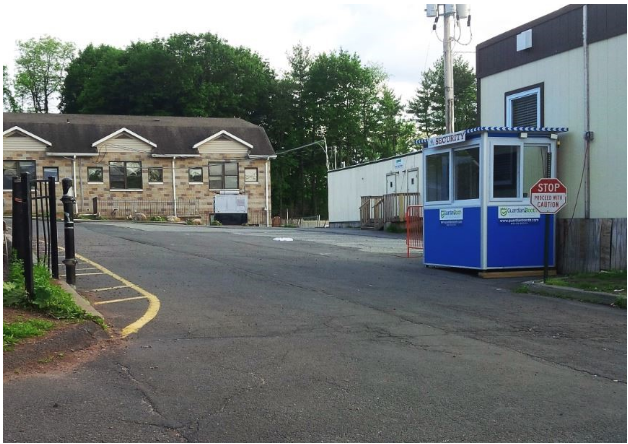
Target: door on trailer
(391, 183)
(413, 181)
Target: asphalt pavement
(333, 335)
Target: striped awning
(505, 130)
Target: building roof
(552, 34)
(76, 133)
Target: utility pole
(449, 12)
(449, 71)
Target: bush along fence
(35, 226)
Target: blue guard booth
(477, 211)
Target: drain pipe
(588, 135)
(174, 187)
(74, 204)
(266, 193)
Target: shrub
(52, 299)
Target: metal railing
(414, 227)
(34, 205)
(125, 208)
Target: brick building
(157, 162)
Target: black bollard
(68, 231)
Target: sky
(395, 35)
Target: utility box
(231, 209)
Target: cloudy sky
(393, 34)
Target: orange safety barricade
(414, 227)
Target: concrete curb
(571, 293)
(80, 300)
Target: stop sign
(548, 195)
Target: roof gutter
(72, 154)
(257, 156)
(174, 156)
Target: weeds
(12, 333)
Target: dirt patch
(67, 345)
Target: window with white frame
(125, 175)
(437, 177)
(467, 174)
(524, 107)
(506, 171)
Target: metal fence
(34, 205)
(414, 227)
(123, 208)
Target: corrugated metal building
(397, 176)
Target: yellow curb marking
(110, 288)
(86, 268)
(82, 274)
(119, 300)
(153, 301)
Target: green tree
(41, 67)
(9, 101)
(428, 105)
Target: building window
(156, 175)
(524, 107)
(223, 176)
(437, 177)
(94, 175)
(14, 168)
(467, 174)
(51, 172)
(195, 175)
(125, 175)
(250, 175)
(506, 171)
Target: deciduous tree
(41, 67)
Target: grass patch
(90, 217)
(613, 282)
(394, 228)
(48, 297)
(12, 333)
(522, 289)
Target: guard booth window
(437, 177)
(467, 174)
(505, 171)
(536, 165)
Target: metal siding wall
(347, 186)
(223, 147)
(564, 106)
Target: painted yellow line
(153, 301)
(119, 300)
(86, 268)
(83, 274)
(110, 288)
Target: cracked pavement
(333, 337)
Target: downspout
(174, 187)
(587, 121)
(266, 192)
(75, 183)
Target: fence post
(54, 246)
(22, 220)
(68, 222)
